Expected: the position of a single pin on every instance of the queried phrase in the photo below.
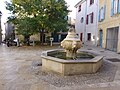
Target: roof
(80, 2)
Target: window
(91, 2)
(92, 17)
(81, 20)
(79, 9)
(102, 13)
(87, 19)
(81, 36)
(115, 7)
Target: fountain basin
(70, 67)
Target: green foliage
(27, 26)
(30, 16)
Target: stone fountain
(69, 61)
(71, 43)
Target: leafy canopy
(30, 16)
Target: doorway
(89, 36)
(101, 37)
(112, 38)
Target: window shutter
(102, 13)
(79, 9)
(112, 7)
(104, 8)
(90, 2)
(87, 19)
(92, 17)
(99, 16)
(118, 6)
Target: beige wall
(36, 37)
(108, 22)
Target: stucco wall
(80, 27)
(91, 27)
(108, 22)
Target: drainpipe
(96, 31)
(0, 28)
(85, 24)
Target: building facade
(0, 28)
(71, 22)
(9, 31)
(86, 24)
(109, 24)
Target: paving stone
(19, 70)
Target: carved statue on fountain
(71, 43)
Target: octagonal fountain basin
(84, 63)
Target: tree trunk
(42, 36)
(27, 40)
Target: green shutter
(118, 6)
(99, 16)
(104, 9)
(112, 7)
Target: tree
(42, 15)
(27, 27)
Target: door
(101, 35)
(42, 38)
(112, 38)
(89, 37)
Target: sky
(71, 4)
(5, 13)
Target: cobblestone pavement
(18, 65)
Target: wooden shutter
(90, 2)
(112, 7)
(104, 9)
(81, 35)
(102, 13)
(79, 9)
(87, 19)
(118, 6)
(92, 17)
(99, 16)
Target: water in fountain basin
(79, 56)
